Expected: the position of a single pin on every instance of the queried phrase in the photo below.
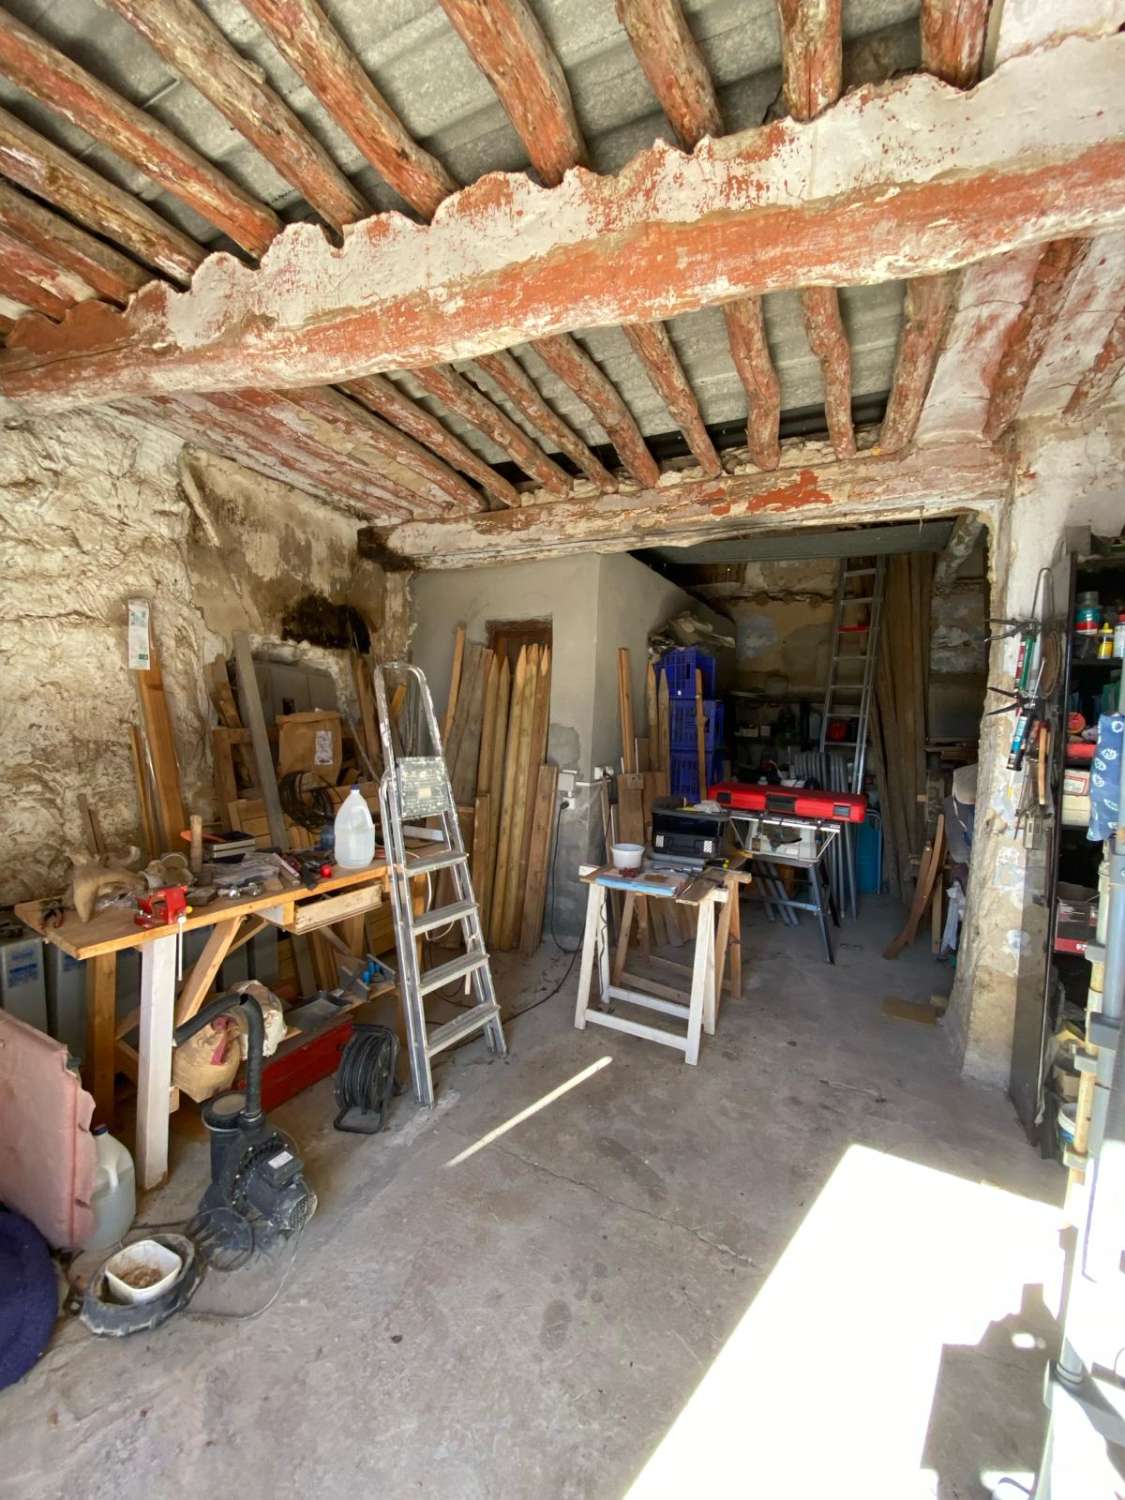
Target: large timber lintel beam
(897, 180)
(808, 487)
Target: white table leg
(595, 904)
(601, 940)
(704, 942)
(710, 992)
(154, 1079)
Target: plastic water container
(354, 833)
(115, 1191)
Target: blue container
(680, 667)
(683, 775)
(681, 723)
(869, 856)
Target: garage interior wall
(94, 514)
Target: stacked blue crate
(680, 666)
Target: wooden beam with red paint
(190, 42)
(507, 43)
(51, 77)
(108, 272)
(653, 347)
(40, 167)
(926, 313)
(812, 55)
(901, 180)
(27, 291)
(674, 66)
(567, 359)
(316, 52)
(829, 342)
(1094, 389)
(1058, 265)
(382, 396)
(31, 263)
(453, 390)
(953, 33)
(808, 488)
(747, 336)
(511, 378)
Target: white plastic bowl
(628, 856)
(142, 1253)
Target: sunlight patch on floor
(532, 1109)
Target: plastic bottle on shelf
(354, 833)
(115, 1191)
(1105, 641)
(1119, 636)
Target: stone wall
(94, 513)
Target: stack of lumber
(898, 725)
(496, 728)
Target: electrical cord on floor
(573, 952)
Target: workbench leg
(722, 937)
(101, 1033)
(158, 1000)
(704, 950)
(734, 901)
(818, 889)
(710, 988)
(602, 942)
(595, 914)
(622, 953)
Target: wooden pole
(625, 710)
(700, 735)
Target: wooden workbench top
(114, 929)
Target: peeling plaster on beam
(1095, 297)
(897, 180)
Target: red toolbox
(790, 801)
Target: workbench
(342, 898)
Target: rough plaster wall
(784, 619)
(1067, 477)
(92, 514)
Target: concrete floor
(817, 1264)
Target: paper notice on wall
(140, 659)
(325, 749)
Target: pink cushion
(47, 1153)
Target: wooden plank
(631, 830)
(468, 750)
(454, 391)
(625, 710)
(543, 825)
(655, 784)
(480, 867)
(652, 728)
(569, 361)
(662, 365)
(489, 724)
(190, 42)
(101, 1019)
(511, 377)
(521, 812)
(197, 984)
(496, 779)
(226, 787)
(154, 1083)
(169, 805)
(508, 45)
(365, 701)
(540, 724)
(663, 711)
(144, 792)
(516, 715)
(700, 736)
(932, 860)
(252, 705)
(93, 824)
(68, 90)
(222, 696)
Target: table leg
(821, 913)
(158, 999)
(622, 953)
(704, 947)
(602, 943)
(734, 901)
(101, 1033)
(595, 915)
(722, 937)
(710, 985)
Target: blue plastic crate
(681, 723)
(680, 667)
(683, 777)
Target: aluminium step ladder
(418, 786)
(840, 773)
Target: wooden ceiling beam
(829, 342)
(747, 336)
(190, 42)
(51, 77)
(569, 361)
(808, 488)
(33, 264)
(317, 53)
(507, 44)
(674, 66)
(953, 33)
(101, 267)
(451, 388)
(1058, 265)
(906, 179)
(653, 347)
(1095, 386)
(26, 290)
(511, 378)
(42, 168)
(382, 396)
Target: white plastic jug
(354, 833)
(115, 1191)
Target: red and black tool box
(790, 801)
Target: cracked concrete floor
(818, 1263)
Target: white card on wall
(140, 658)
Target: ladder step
(441, 916)
(461, 1026)
(456, 968)
(440, 859)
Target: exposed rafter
(674, 67)
(810, 487)
(829, 342)
(381, 395)
(16, 255)
(570, 362)
(454, 391)
(52, 78)
(190, 42)
(1058, 265)
(24, 289)
(662, 365)
(42, 168)
(97, 264)
(507, 43)
(926, 311)
(747, 334)
(926, 184)
(953, 33)
(316, 52)
(511, 378)
(1096, 384)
